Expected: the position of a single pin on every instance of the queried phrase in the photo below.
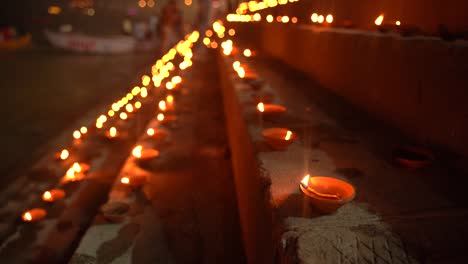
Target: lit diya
(413, 157)
(134, 180)
(75, 173)
(141, 153)
(62, 155)
(34, 215)
(157, 134)
(270, 111)
(279, 138)
(326, 193)
(166, 119)
(114, 211)
(112, 133)
(53, 195)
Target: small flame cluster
(320, 19)
(253, 6)
(239, 69)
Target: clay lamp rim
(274, 109)
(413, 156)
(347, 194)
(36, 214)
(279, 133)
(55, 195)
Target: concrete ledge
(392, 206)
(416, 85)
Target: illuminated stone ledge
(392, 206)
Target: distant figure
(153, 25)
(127, 26)
(171, 26)
(140, 30)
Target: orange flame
(129, 108)
(76, 134)
(160, 117)
(64, 154)
(123, 116)
(76, 167)
(150, 132)
(27, 217)
(47, 196)
(162, 105)
(111, 113)
(113, 132)
(261, 107)
(136, 152)
(247, 52)
(169, 85)
(288, 135)
(378, 21)
(137, 105)
(145, 80)
(125, 180)
(305, 180)
(83, 130)
(144, 92)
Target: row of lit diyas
(327, 194)
(160, 71)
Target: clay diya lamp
(272, 111)
(76, 172)
(159, 135)
(133, 180)
(143, 154)
(115, 211)
(167, 120)
(327, 194)
(279, 138)
(413, 157)
(62, 155)
(53, 195)
(34, 215)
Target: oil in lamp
(53, 195)
(327, 193)
(33, 215)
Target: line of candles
(160, 71)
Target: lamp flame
(125, 180)
(162, 105)
(261, 107)
(47, 196)
(288, 135)
(305, 180)
(76, 134)
(123, 116)
(113, 132)
(160, 117)
(64, 154)
(150, 132)
(378, 21)
(136, 152)
(27, 216)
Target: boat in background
(16, 43)
(82, 43)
